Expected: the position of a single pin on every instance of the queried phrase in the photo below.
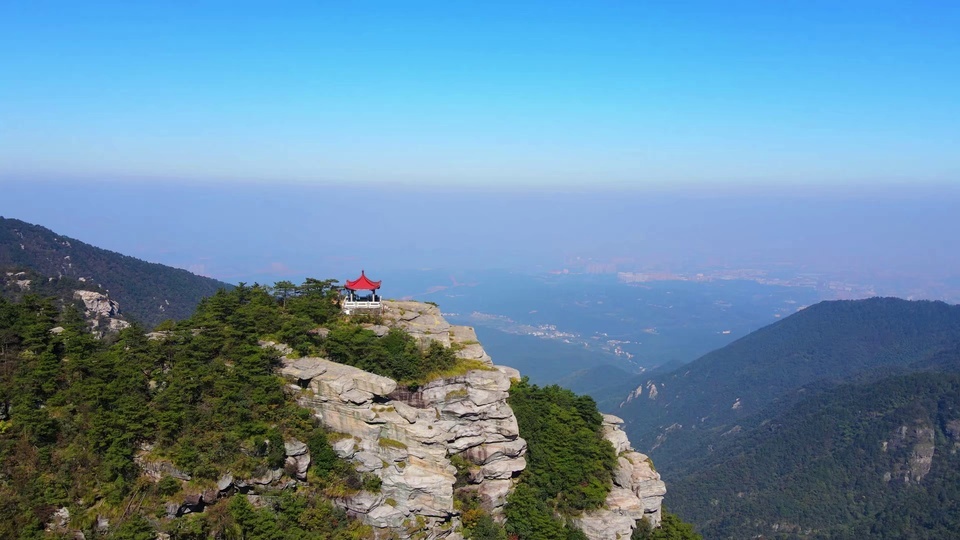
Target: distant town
(837, 285)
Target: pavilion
(354, 300)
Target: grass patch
(391, 443)
(456, 394)
(461, 367)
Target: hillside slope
(874, 460)
(678, 416)
(400, 421)
(147, 292)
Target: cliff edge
(411, 439)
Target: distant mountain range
(147, 292)
(842, 420)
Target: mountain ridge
(840, 421)
(831, 340)
(148, 292)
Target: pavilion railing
(353, 304)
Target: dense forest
(875, 460)
(77, 413)
(147, 292)
(81, 418)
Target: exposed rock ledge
(101, 313)
(407, 438)
(637, 490)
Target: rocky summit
(408, 437)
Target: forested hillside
(859, 461)
(147, 292)
(841, 421)
(695, 405)
(81, 418)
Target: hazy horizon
(260, 232)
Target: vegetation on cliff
(671, 528)
(569, 463)
(147, 292)
(75, 412)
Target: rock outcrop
(295, 466)
(409, 438)
(918, 443)
(101, 312)
(425, 322)
(637, 490)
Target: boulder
(117, 325)
(367, 461)
(357, 396)
(617, 519)
(172, 509)
(297, 466)
(493, 493)
(345, 448)
(156, 469)
(303, 369)
(225, 482)
(504, 469)
(617, 438)
(363, 502)
(294, 447)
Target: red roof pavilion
(363, 283)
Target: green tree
(671, 528)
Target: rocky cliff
(637, 490)
(101, 312)
(411, 439)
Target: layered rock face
(407, 437)
(425, 322)
(637, 490)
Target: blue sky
(493, 94)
